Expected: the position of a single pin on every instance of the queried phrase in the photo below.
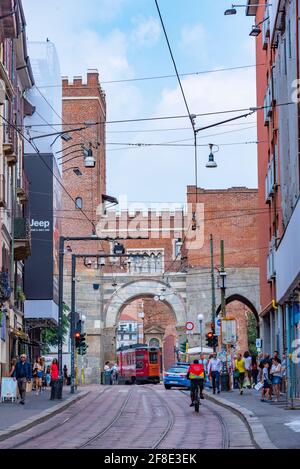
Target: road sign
(229, 331)
(217, 327)
(258, 343)
(189, 326)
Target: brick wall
(231, 215)
(83, 102)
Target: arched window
(78, 203)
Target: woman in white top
(276, 373)
(248, 367)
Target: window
(153, 358)
(146, 262)
(78, 203)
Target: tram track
(99, 435)
(170, 422)
(56, 425)
(224, 427)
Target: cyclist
(196, 374)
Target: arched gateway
(137, 289)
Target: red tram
(139, 364)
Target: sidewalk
(14, 417)
(282, 427)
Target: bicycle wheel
(197, 400)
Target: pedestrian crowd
(257, 371)
(36, 378)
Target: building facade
(16, 79)
(278, 163)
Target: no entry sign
(189, 326)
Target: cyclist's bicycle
(195, 392)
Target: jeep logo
(42, 224)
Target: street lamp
(232, 10)
(200, 319)
(211, 159)
(256, 30)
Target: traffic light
(215, 341)
(77, 339)
(183, 347)
(210, 339)
(82, 349)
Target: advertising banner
(8, 389)
(41, 268)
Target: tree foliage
(252, 333)
(51, 336)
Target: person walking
(22, 373)
(240, 366)
(254, 370)
(248, 374)
(65, 372)
(54, 378)
(38, 371)
(266, 382)
(214, 369)
(276, 374)
(48, 376)
(114, 374)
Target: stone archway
(236, 301)
(139, 288)
(134, 290)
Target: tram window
(153, 357)
(140, 361)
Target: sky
(123, 39)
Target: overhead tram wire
(145, 119)
(57, 114)
(182, 92)
(160, 77)
(49, 168)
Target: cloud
(146, 33)
(192, 40)
(172, 168)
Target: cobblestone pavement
(124, 417)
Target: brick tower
(83, 103)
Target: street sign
(189, 326)
(229, 331)
(217, 327)
(258, 343)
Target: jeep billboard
(40, 266)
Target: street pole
(222, 270)
(73, 325)
(201, 338)
(60, 302)
(223, 304)
(213, 285)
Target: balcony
(10, 145)
(22, 239)
(22, 189)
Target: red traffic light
(210, 335)
(77, 335)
